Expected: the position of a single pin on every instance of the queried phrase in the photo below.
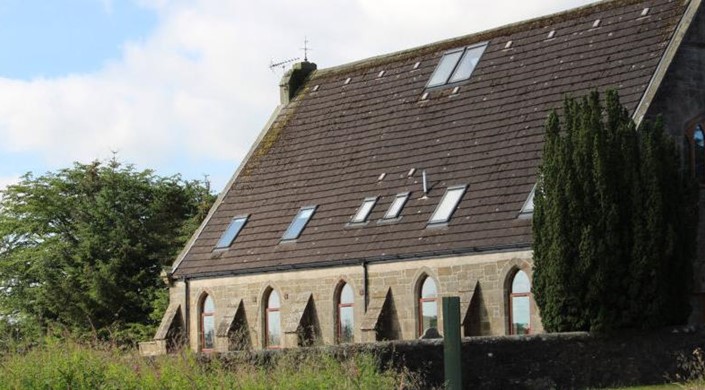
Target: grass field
(68, 365)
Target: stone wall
(481, 280)
(547, 361)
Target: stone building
(381, 185)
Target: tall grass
(71, 365)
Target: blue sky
(184, 86)
(50, 38)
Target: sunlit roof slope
(369, 129)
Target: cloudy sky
(184, 86)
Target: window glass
(520, 302)
(346, 316)
(445, 68)
(346, 324)
(231, 232)
(273, 329)
(299, 223)
(528, 207)
(456, 65)
(428, 306)
(273, 302)
(699, 152)
(273, 318)
(396, 206)
(208, 324)
(429, 289)
(208, 306)
(208, 332)
(364, 211)
(430, 315)
(520, 315)
(346, 294)
(467, 64)
(521, 283)
(448, 204)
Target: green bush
(614, 222)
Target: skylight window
(528, 209)
(456, 65)
(448, 204)
(231, 232)
(396, 206)
(364, 211)
(299, 223)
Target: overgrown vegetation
(70, 365)
(82, 249)
(614, 222)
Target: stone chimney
(293, 79)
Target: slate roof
(328, 147)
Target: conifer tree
(614, 222)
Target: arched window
(428, 305)
(272, 326)
(698, 153)
(520, 304)
(207, 324)
(346, 316)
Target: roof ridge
(476, 37)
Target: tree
(84, 247)
(614, 222)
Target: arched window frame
(420, 300)
(515, 295)
(207, 322)
(340, 306)
(695, 157)
(269, 314)
(697, 152)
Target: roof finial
(306, 49)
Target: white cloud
(199, 85)
(8, 180)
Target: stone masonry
(482, 281)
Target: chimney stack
(293, 79)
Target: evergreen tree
(84, 247)
(614, 222)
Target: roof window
(551, 34)
(596, 24)
(364, 211)
(396, 206)
(231, 232)
(299, 223)
(645, 11)
(456, 65)
(528, 209)
(448, 204)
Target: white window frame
(400, 199)
(435, 220)
(527, 210)
(363, 212)
(222, 244)
(464, 51)
(289, 234)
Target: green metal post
(451, 343)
